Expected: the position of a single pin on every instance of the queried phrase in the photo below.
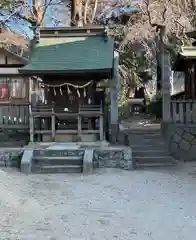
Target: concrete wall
(181, 140)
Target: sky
(56, 15)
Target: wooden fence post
(31, 124)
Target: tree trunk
(77, 13)
(38, 12)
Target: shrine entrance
(66, 102)
(68, 111)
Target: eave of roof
(187, 54)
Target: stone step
(146, 135)
(150, 149)
(146, 138)
(58, 153)
(149, 160)
(152, 138)
(2, 163)
(147, 143)
(158, 165)
(58, 169)
(155, 136)
(69, 160)
(149, 153)
(146, 131)
(156, 146)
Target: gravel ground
(110, 204)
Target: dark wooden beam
(92, 74)
(72, 31)
(191, 34)
(10, 65)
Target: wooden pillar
(32, 101)
(186, 85)
(114, 91)
(193, 86)
(194, 80)
(31, 124)
(166, 86)
(92, 121)
(189, 85)
(79, 126)
(101, 127)
(53, 123)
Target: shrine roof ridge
(72, 31)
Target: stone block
(173, 147)
(121, 137)
(114, 133)
(193, 141)
(88, 137)
(179, 131)
(63, 138)
(128, 164)
(26, 161)
(113, 157)
(176, 138)
(184, 145)
(88, 161)
(193, 152)
(58, 153)
(193, 131)
(188, 136)
(46, 138)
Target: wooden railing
(14, 116)
(51, 115)
(183, 111)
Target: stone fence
(181, 139)
(180, 130)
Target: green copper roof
(59, 54)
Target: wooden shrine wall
(66, 94)
(190, 81)
(14, 94)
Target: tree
(159, 25)
(20, 13)
(86, 12)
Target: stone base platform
(181, 140)
(73, 157)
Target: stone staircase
(57, 161)
(149, 149)
(78, 157)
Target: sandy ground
(110, 204)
